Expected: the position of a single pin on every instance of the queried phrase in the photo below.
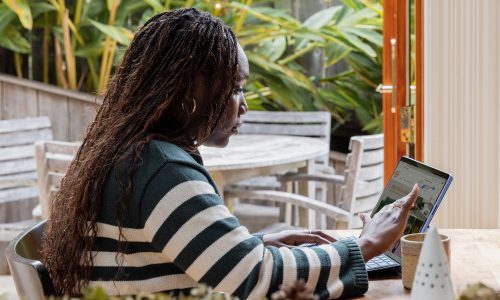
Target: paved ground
(7, 288)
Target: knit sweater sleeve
(193, 228)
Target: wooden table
(249, 155)
(475, 257)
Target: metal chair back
(30, 276)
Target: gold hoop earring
(194, 106)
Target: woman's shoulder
(168, 152)
(167, 168)
(165, 159)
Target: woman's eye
(239, 90)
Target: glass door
(402, 81)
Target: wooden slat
(262, 182)
(61, 147)
(70, 112)
(17, 211)
(24, 124)
(294, 199)
(22, 138)
(35, 85)
(371, 173)
(285, 129)
(369, 158)
(55, 179)
(52, 194)
(56, 108)
(352, 174)
(81, 115)
(286, 117)
(374, 141)
(10, 181)
(18, 152)
(365, 204)
(372, 157)
(17, 166)
(53, 159)
(369, 188)
(19, 102)
(18, 194)
(58, 162)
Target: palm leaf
(321, 18)
(13, 40)
(22, 10)
(120, 34)
(6, 17)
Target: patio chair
(18, 191)
(30, 276)
(320, 209)
(52, 161)
(305, 124)
(359, 188)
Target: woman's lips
(235, 128)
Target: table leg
(306, 188)
(220, 182)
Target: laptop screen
(433, 185)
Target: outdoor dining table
(475, 257)
(247, 156)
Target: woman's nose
(243, 106)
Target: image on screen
(401, 183)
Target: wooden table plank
(475, 257)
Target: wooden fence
(69, 112)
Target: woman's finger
(320, 240)
(324, 235)
(280, 244)
(313, 238)
(303, 238)
(410, 201)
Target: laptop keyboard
(379, 262)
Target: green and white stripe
(179, 233)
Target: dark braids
(147, 99)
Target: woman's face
(237, 106)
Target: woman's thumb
(364, 218)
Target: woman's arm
(191, 226)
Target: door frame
(396, 26)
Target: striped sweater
(179, 233)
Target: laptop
(433, 185)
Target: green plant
(479, 291)
(353, 92)
(297, 291)
(88, 38)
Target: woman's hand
(292, 238)
(386, 227)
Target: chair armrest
(294, 199)
(331, 178)
(36, 213)
(324, 169)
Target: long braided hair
(147, 99)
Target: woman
(137, 211)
